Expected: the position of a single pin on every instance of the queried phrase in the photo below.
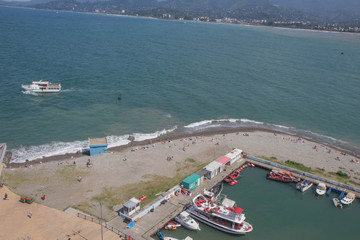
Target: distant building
(97, 146)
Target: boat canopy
(228, 203)
(238, 210)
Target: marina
(151, 223)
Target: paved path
(46, 223)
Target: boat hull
(217, 226)
(194, 227)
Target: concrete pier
(306, 176)
(154, 221)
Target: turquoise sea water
(279, 211)
(170, 74)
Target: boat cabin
(131, 206)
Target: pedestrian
(5, 198)
(30, 214)
(79, 178)
(43, 198)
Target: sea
(146, 77)
(142, 77)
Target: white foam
(60, 148)
(197, 124)
(26, 92)
(244, 120)
(46, 150)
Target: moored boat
(337, 203)
(348, 199)
(221, 214)
(42, 87)
(321, 189)
(286, 174)
(304, 185)
(187, 221)
(279, 178)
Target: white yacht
(187, 221)
(348, 199)
(220, 214)
(321, 189)
(42, 87)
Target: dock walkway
(306, 176)
(153, 221)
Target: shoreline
(171, 136)
(178, 20)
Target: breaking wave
(31, 153)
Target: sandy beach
(125, 170)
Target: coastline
(189, 21)
(166, 137)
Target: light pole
(101, 220)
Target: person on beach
(43, 197)
(5, 197)
(30, 214)
(79, 178)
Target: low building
(131, 206)
(213, 169)
(97, 146)
(234, 155)
(223, 160)
(191, 182)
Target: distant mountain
(333, 10)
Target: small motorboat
(321, 189)
(233, 182)
(304, 185)
(187, 221)
(337, 203)
(348, 199)
(160, 235)
(275, 177)
(172, 226)
(250, 164)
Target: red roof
(238, 210)
(223, 159)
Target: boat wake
(29, 93)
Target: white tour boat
(220, 214)
(187, 221)
(321, 188)
(348, 199)
(304, 185)
(42, 87)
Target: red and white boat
(279, 178)
(42, 87)
(222, 215)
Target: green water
(279, 211)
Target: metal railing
(107, 226)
